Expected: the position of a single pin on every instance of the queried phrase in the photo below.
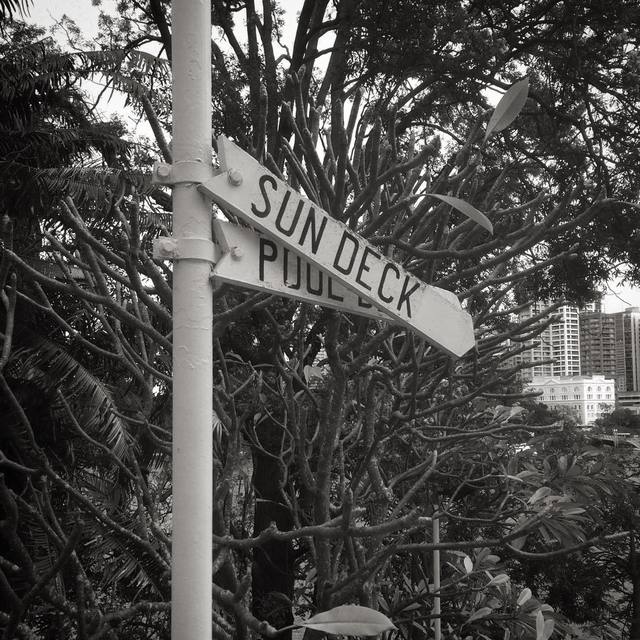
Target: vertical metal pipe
(192, 336)
(437, 623)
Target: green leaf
(539, 625)
(465, 208)
(541, 493)
(350, 619)
(508, 108)
(501, 578)
(562, 464)
(480, 613)
(312, 373)
(468, 564)
(518, 543)
(503, 413)
(525, 595)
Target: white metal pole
(192, 326)
(437, 623)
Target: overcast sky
(83, 12)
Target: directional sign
(257, 261)
(254, 194)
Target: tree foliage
(620, 419)
(356, 438)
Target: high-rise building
(541, 352)
(559, 342)
(597, 344)
(586, 342)
(629, 400)
(565, 342)
(627, 349)
(592, 307)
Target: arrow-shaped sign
(254, 194)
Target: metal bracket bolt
(162, 173)
(236, 253)
(163, 170)
(234, 177)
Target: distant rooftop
(567, 379)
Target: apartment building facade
(627, 349)
(585, 398)
(541, 351)
(597, 344)
(565, 342)
(556, 351)
(587, 342)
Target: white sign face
(257, 261)
(254, 194)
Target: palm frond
(119, 561)
(8, 8)
(41, 548)
(131, 72)
(82, 182)
(45, 143)
(126, 68)
(92, 402)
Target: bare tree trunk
(273, 561)
(634, 573)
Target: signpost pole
(191, 606)
(437, 620)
